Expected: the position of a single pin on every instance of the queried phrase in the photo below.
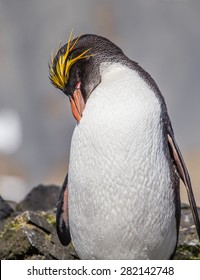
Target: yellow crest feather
(59, 70)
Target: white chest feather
(120, 195)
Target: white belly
(120, 195)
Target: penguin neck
(121, 97)
(109, 68)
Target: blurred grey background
(35, 119)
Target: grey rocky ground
(27, 229)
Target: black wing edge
(62, 220)
(184, 175)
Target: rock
(32, 235)
(187, 252)
(5, 211)
(12, 204)
(188, 244)
(40, 198)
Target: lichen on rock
(31, 236)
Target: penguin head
(75, 69)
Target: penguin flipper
(62, 218)
(184, 175)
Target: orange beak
(77, 103)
